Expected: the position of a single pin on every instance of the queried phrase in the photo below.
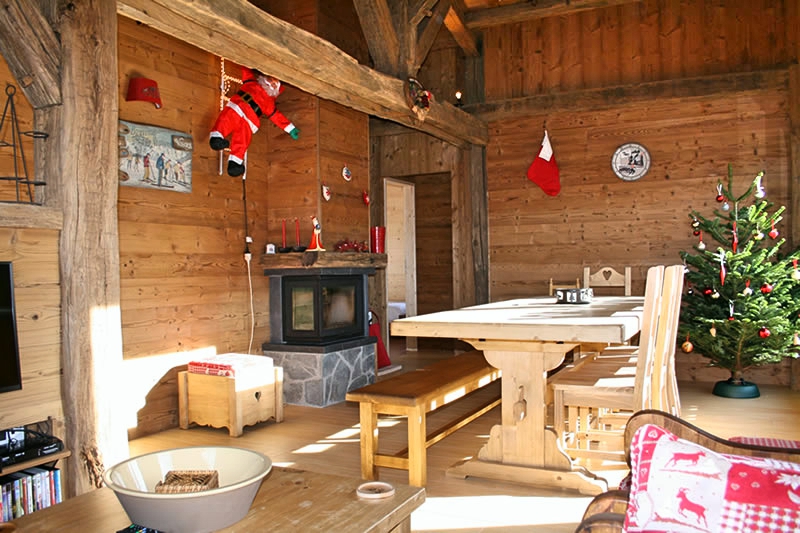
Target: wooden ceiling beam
(509, 14)
(420, 10)
(596, 99)
(456, 23)
(376, 23)
(428, 36)
(247, 35)
(32, 51)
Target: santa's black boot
(218, 143)
(235, 169)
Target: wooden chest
(232, 402)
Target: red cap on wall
(144, 89)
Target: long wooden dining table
(525, 338)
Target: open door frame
(408, 229)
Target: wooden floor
(327, 440)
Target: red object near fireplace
(375, 331)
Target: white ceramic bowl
(240, 474)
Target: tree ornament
(758, 236)
(726, 206)
(713, 331)
(764, 333)
(730, 311)
(796, 339)
(365, 197)
(795, 272)
(715, 295)
(735, 242)
(766, 288)
(701, 245)
(747, 290)
(759, 189)
(773, 233)
(720, 196)
(722, 266)
(326, 192)
(707, 291)
(695, 222)
(690, 291)
(687, 346)
(346, 174)
(696, 232)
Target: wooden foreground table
(289, 500)
(524, 339)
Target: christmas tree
(741, 307)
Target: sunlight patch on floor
(477, 512)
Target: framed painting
(154, 158)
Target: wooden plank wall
(184, 280)
(598, 219)
(37, 293)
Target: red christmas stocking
(544, 169)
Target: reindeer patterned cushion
(680, 486)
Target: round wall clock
(631, 161)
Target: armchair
(682, 475)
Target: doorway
(401, 249)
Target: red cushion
(678, 485)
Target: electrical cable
(247, 257)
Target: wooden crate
(217, 401)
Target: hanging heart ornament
(326, 192)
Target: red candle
(283, 232)
(297, 230)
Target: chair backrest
(655, 386)
(647, 335)
(562, 285)
(608, 277)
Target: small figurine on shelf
(316, 237)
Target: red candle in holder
(283, 232)
(297, 230)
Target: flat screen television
(10, 375)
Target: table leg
(522, 448)
(369, 440)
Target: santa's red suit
(241, 117)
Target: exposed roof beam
(455, 22)
(376, 23)
(595, 99)
(32, 51)
(420, 10)
(247, 35)
(495, 16)
(428, 36)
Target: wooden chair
(607, 277)
(559, 285)
(606, 512)
(593, 400)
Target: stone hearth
(319, 376)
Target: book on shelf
(28, 491)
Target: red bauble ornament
(720, 198)
(766, 288)
(707, 291)
(764, 333)
(696, 232)
(773, 233)
(687, 347)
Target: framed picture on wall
(154, 158)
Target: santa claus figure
(241, 117)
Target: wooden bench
(413, 395)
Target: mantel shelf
(323, 260)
